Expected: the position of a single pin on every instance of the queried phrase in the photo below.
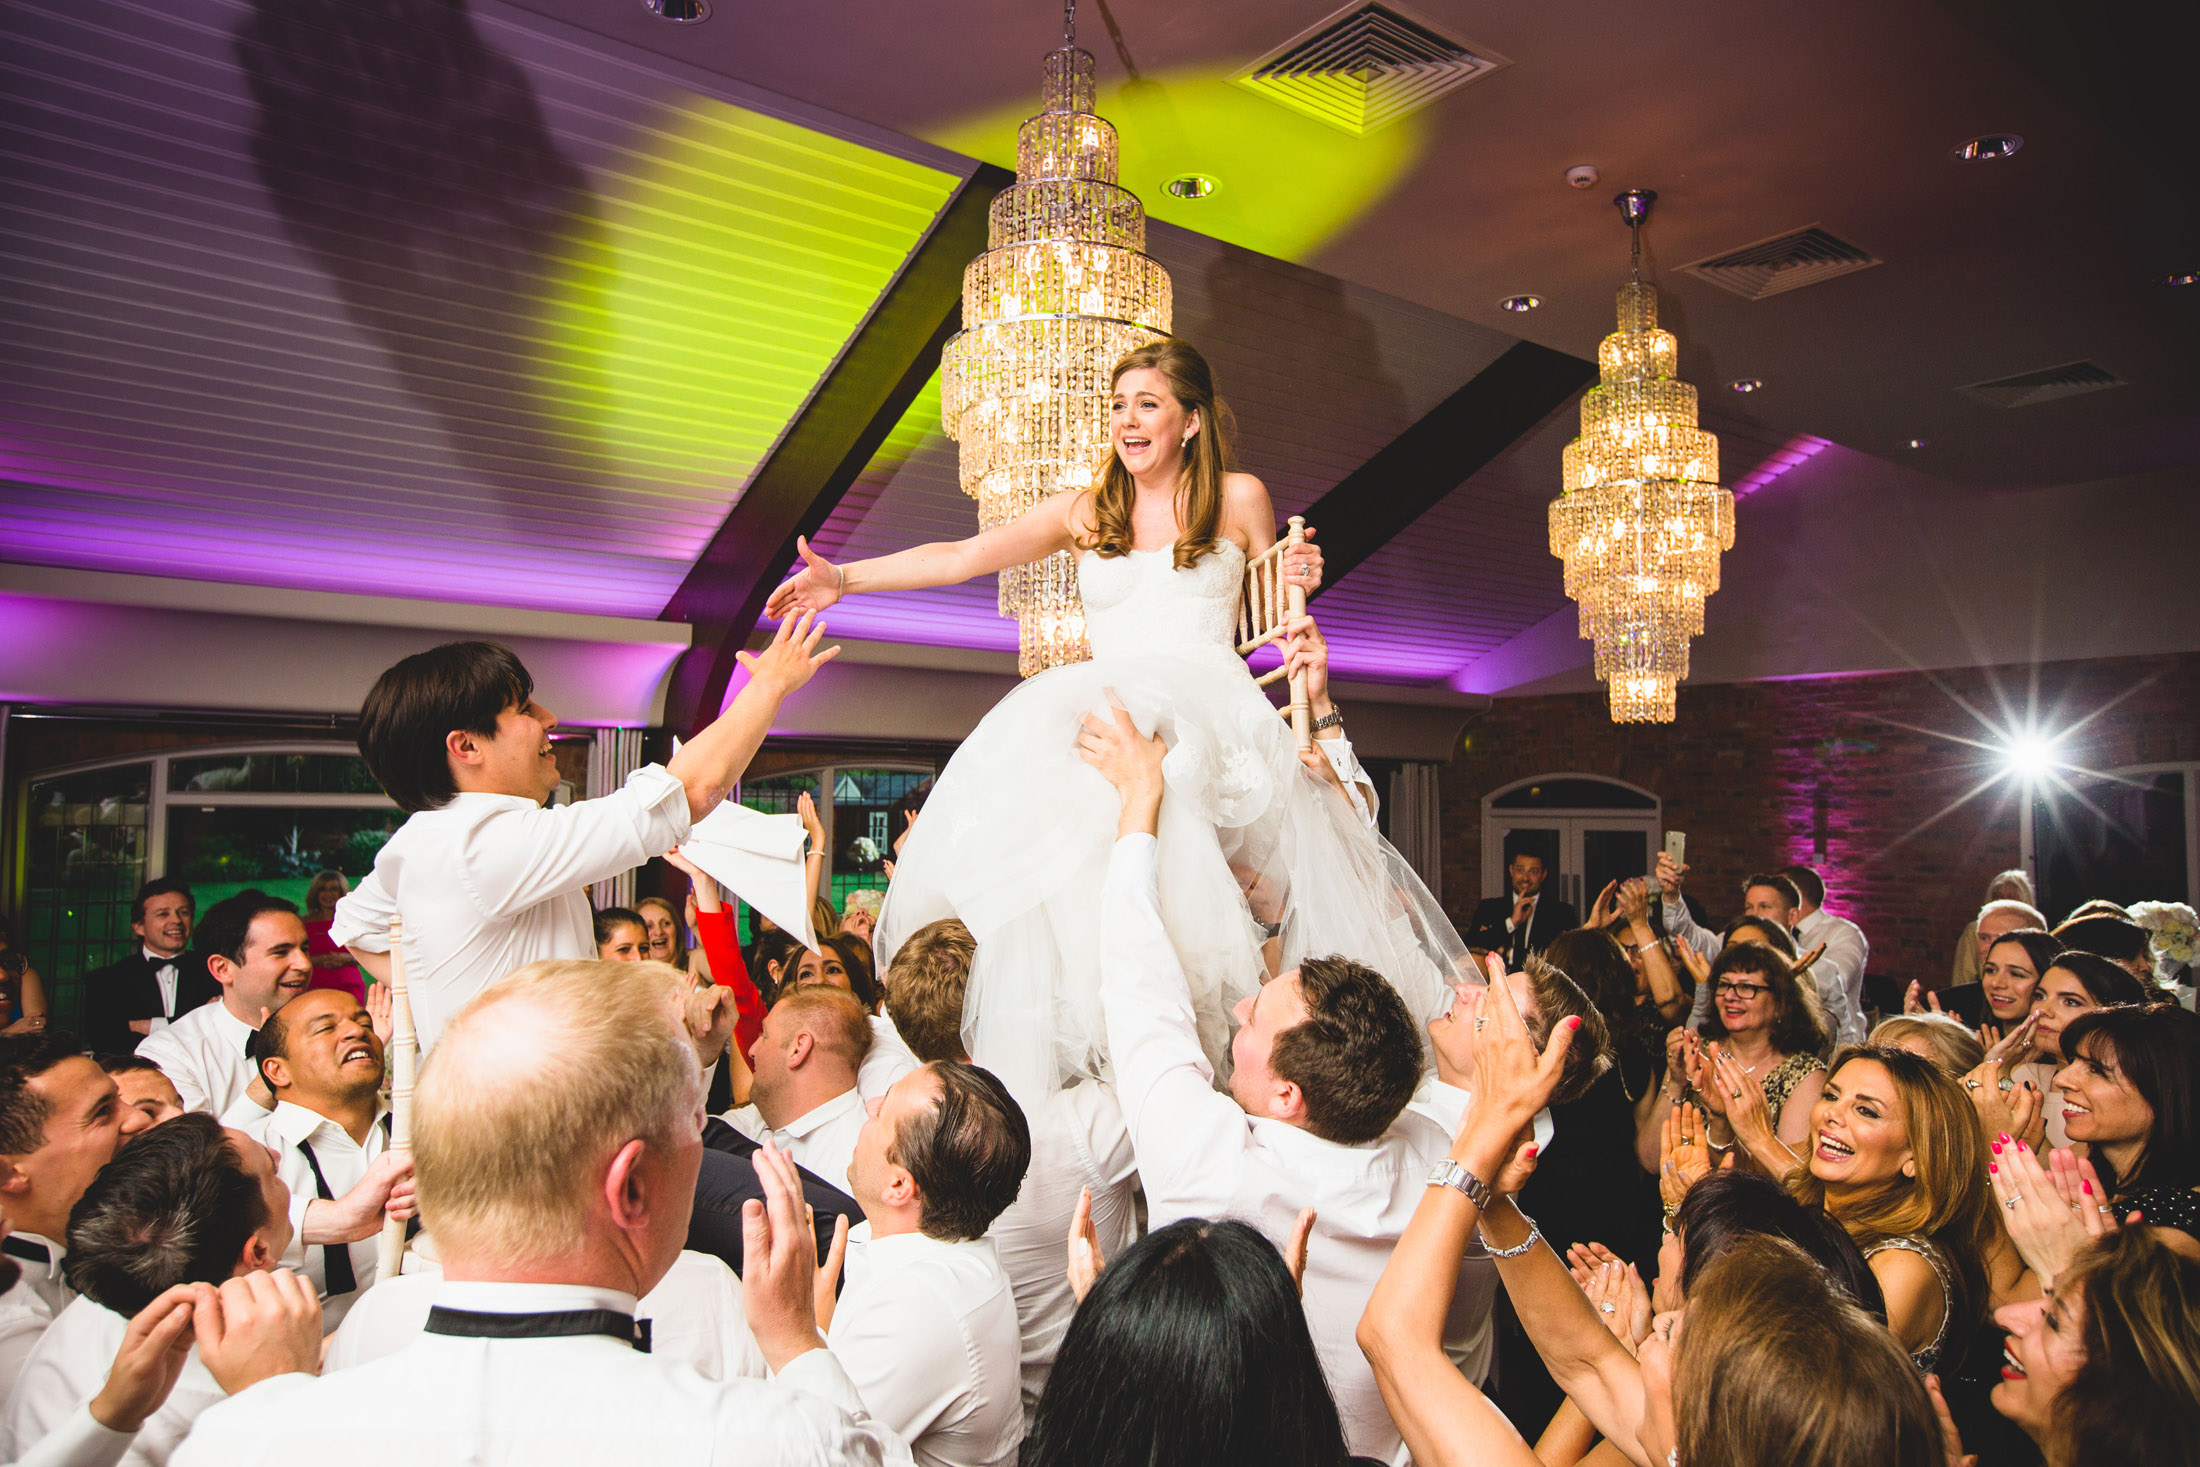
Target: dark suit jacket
(728, 1179)
(120, 992)
(1550, 918)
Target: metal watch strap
(1334, 718)
(1449, 1173)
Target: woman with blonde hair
(667, 933)
(1017, 830)
(333, 966)
(1940, 1038)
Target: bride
(1016, 834)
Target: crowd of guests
(1651, 1190)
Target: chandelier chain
(1069, 22)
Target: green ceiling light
(735, 255)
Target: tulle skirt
(1016, 835)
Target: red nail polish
(2087, 1188)
(1992, 1166)
(1997, 1148)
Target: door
(1588, 830)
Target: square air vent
(2028, 389)
(1785, 262)
(1364, 68)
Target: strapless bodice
(1141, 602)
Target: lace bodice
(1140, 602)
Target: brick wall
(1753, 772)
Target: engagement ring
(2011, 1203)
(1973, 1084)
(1609, 1308)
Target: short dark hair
(228, 924)
(2158, 1049)
(925, 985)
(1558, 997)
(160, 886)
(23, 1111)
(1774, 881)
(1726, 1206)
(127, 1064)
(1809, 883)
(1783, 942)
(1800, 1023)
(2105, 981)
(2111, 937)
(611, 917)
(773, 945)
(1357, 1056)
(414, 707)
(1192, 1347)
(175, 1207)
(968, 1153)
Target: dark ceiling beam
(1501, 404)
(892, 355)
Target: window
(2129, 835)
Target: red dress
(348, 977)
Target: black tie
(25, 1249)
(1520, 941)
(335, 1257)
(548, 1324)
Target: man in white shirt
(926, 1325)
(802, 1087)
(1771, 898)
(1078, 1144)
(487, 877)
(1846, 951)
(189, 1202)
(60, 1121)
(1315, 1116)
(255, 947)
(330, 1135)
(556, 1143)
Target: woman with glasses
(1765, 1028)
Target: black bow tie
(25, 1249)
(546, 1324)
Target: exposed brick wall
(1741, 767)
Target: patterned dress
(1928, 1358)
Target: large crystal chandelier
(1063, 291)
(1642, 519)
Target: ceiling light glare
(1917, 443)
(1190, 185)
(2182, 277)
(1520, 304)
(1746, 385)
(1991, 148)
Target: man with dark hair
(330, 1134)
(1846, 955)
(255, 947)
(926, 1327)
(1525, 919)
(60, 1122)
(148, 1096)
(1079, 1145)
(156, 984)
(1325, 1060)
(189, 1202)
(486, 877)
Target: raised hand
(1605, 907)
(1951, 1440)
(699, 880)
(1680, 1049)
(1621, 1300)
(257, 1325)
(1511, 1081)
(378, 1013)
(153, 1351)
(1303, 566)
(779, 1262)
(817, 585)
(806, 808)
(1306, 651)
(1684, 1156)
(709, 1014)
(1128, 760)
(1810, 957)
(792, 659)
(826, 1291)
(1085, 1261)
(2047, 1231)
(1670, 877)
(1698, 966)
(1754, 1124)
(1634, 901)
(1294, 1252)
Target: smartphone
(1676, 847)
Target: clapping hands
(2052, 1212)
(1617, 1290)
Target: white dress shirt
(1078, 1140)
(490, 883)
(822, 1139)
(167, 974)
(1200, 1155)
(1839, 972)
(889, 1059)
(202, 1054)
(344, 1163)
(69, 1366)
(694, 1313)
(29, 1305)
(1359, 785)
(78, 1441)
(927, 1331)
(571, 1401)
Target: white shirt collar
(293, 1123)
(818, 1117)
(160, 962)
(483, 800)
(503, 1298)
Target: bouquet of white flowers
(2173, 935)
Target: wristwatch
(1334, 718)
(1449, 1173)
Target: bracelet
(841, 588)
(1332, 719)
(815, 856)
(1535, 1236)
(1715, 1146)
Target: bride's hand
(1303, 566)
(813, 588)
(1305, 651)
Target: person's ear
(626, 1186)
(1287, 1102)
(275, 1070)
(256, 1257)
(220, 969)
(13, 1180)
(900, 1188)
(462, 746)
(1909, 1166)
(798, 1052)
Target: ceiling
(505, 305)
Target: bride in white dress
(1015, 836)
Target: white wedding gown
(1015, 836)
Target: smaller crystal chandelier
(1641, 519)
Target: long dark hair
(1191, 1351)
(1207, 457)
(2158, 1049)
(1727, 1206)
(1798, 1023)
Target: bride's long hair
(1206, 458)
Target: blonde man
(556, 1149)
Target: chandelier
(1641, 519)
(1062, 292)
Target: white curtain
(1416, 822)
(614, 754)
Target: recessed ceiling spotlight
(1746, 384)
(1988, 149)
(1520, 304)
(2182, 277)
(1917, 443)
(1582, 175)
(682, 12)
(1190, 185)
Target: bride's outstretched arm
(1046, 527)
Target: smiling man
(255, 947)
(330, 1134)
(486, 875)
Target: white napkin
(758, 858)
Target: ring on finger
(2011, 1202)
(2005, 1084)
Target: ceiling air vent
(2028, 389)
(1364, 68)
(1785, 262)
